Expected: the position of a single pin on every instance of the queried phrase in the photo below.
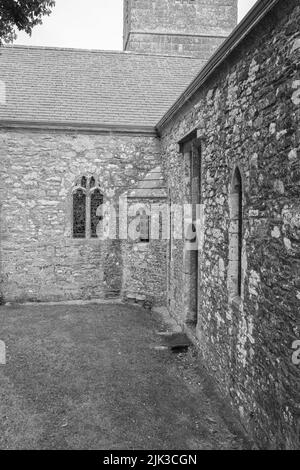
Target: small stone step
(177, 342)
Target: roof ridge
(96, 51)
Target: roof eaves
(95, 51)
(255, 15)
(79, 127)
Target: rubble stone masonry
(247, 116)
(40, 259)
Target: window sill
(142, 246)
(78, 241)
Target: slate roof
(91, 87)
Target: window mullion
(88, 216)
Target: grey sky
(91, 24)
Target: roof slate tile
(91, 87)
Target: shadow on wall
(113, 268)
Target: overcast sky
(91, 24)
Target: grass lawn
(86, 377)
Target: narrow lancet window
(235, 236)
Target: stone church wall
(40, 259)
(247, 115)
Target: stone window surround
(235, 281)
(190, 143)
(88, 191)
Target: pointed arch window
(235, 235)
(87, 199)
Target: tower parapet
(178, 27)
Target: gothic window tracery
(87, 198)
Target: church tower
(178, 27)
